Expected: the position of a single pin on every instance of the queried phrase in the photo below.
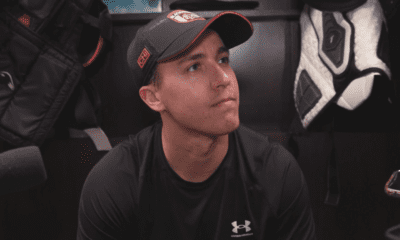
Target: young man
(197, 173)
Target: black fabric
(133, 193)
(383, 51)
(41, 64)
(335, 5)
(39, 72)
(333, 191)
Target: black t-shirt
(257, 192)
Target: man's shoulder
(268, 160)
(145, 134)
(251, 137)
(126, 154)
(261, 144)
(125, 157)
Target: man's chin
(225, 128)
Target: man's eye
(194, 65)
(226, 58)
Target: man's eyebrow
(222, 49)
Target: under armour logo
(236, 227)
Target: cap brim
(233, 28)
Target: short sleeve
(105, 206)
(295, 217)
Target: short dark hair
(155, 77)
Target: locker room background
(265, 67)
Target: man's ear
(152, 98)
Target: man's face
(193, 83)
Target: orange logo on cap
(144, 56)
(181, 16)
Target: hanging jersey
(257, 192)
(340, 55)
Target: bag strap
(87, 108)
(88, 104)
(333, 192)
(104, 24)
(73, 12)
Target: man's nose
(219, 77)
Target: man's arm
(294, 214)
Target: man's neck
(193, 157)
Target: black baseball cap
(172, 33)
